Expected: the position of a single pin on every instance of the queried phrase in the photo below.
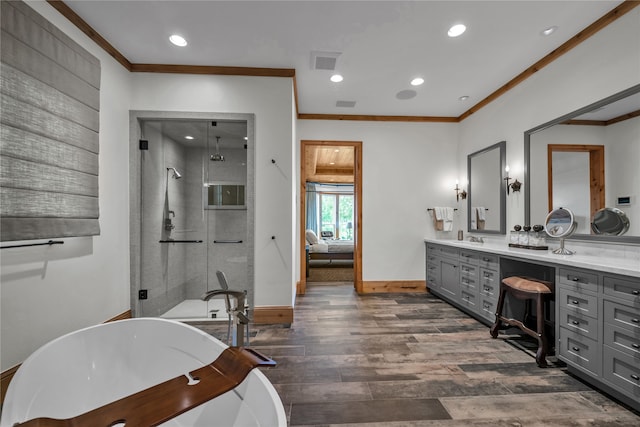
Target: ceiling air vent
(346, 104)
(324, 60)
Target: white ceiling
(382, 44)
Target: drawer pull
(576, 302)
(635, 377)
(575, 279)
(575, 322)
(487, 289)
(486, 259)
(575, 349)
(635, 320)
(634, 345)
(636, 292)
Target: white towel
(448, 219)
(439, 213)
(481, 213)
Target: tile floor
(413, 360)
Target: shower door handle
(227, 241)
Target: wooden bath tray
(167, 400)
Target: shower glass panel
(184, 240)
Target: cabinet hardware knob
(636, 292)
(634, 345)
(486, 259)
(575, 279)
(635, 320)
(576, 302)
(575, 349)
(635, 377)
(575, 322)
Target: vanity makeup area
(594, 314)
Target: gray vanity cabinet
(469, 279)
(442, 271)
(578, 338)
(597, 314)
(455, 275)
(621, 334)
(599, 329)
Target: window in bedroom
(337, 215)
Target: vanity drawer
(448, 251)
(578, 279)
(579, 324)
(623, 340)
(489, 290)
(489, 261)
(577, 302)
(468, 299)
(490, 278)
(469, 257)
(580, 350)
(440, 251)
(487, 308)
(627, 289)
(622, 371)
(627, 317)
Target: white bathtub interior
(98, 365)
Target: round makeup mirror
(560, 223)
(610, 222)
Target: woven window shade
(49, 123)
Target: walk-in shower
(194, 216)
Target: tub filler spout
(237, 312)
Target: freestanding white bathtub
(95, 366)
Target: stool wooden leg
(496, 325)
(542, 338)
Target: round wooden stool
(528, 290)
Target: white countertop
(623, 263)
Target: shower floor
(197, 309)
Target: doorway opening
(331, 212)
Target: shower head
(176, 174)
(217, 157)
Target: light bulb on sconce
(460, 193)
(515, 185)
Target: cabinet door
(449, 285)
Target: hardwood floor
(413, 360)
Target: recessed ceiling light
(337, 78)
(417, 81)
(332, 163)
(178, 40)
(456, 30)
(188, 137)
(463, 98)
(336, 150)
(246, 138)
(548, 31)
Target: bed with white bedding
(328, 249)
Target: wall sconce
(460, 193)
(515, 185)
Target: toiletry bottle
(513, 235)
(460, 235)
(538, 236)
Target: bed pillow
(311, 236)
